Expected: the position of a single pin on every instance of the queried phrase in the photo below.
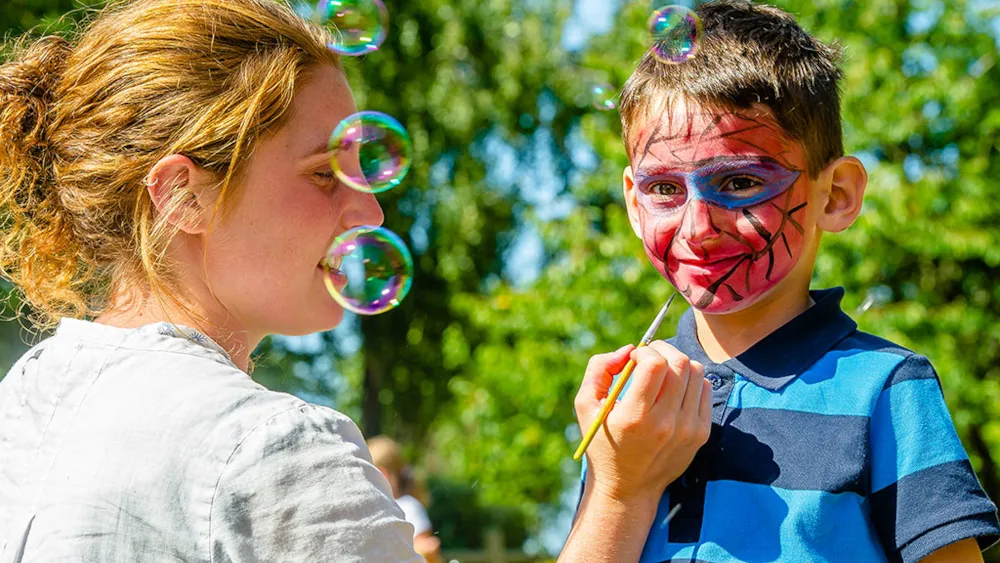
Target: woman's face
(263, 256)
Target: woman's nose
(363, 209)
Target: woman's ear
(845, 180)
(179, 190)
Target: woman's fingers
(646, 380)
(660, 376)
(692, 394)
(597, 380)
(676, 383)
(705, 407)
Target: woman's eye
(741, 183)
(664, 189)
(324, 176)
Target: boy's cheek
(768, 235)
(658, 235)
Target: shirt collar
(776, 360)
(161, 335)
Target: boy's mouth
(704, 263)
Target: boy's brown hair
(749, 54)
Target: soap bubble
(676, 34)
(875, 297)
(371, 151)
(358, 26)
(368, 270)
(603, 96)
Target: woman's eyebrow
(317, 156)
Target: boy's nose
(697, 225)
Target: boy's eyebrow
(724, 163)
(714, 164)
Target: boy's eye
(664, 188)
(740, 183)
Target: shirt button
(715, 380)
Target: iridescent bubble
(676, 33)
(358, 26)
(875, 297)
(603, 97)
(369, 270)
(371, 151)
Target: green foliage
(461, 519)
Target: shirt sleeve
(924, 492)
(415, 514)
(301, 487)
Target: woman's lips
(335, 276)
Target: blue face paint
(727, 182)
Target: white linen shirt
(143, 445)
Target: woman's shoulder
(156, 391)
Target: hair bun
(26, 92)
(38, 247)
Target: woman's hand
(659, 423)
(647, 441)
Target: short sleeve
(301, 487)
(415, 514)
(924, 492)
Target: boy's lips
(700, 263)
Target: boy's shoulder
(870, 352)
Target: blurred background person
(388, 457)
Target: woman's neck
(148, 309)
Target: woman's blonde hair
(83, 120)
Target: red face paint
(721, 197)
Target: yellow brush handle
(609, 404)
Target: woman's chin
(317, 319)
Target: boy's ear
(846, 178)
(631, 203)
(178, 189)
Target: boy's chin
(718, 304)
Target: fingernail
(622, 349)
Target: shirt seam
(216, 356)
(977, 517)
(76, 412)
(218, 482)
(871, 418)
(45, 432)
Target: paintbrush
(616, 389)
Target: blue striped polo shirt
(827, 444)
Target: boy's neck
(726, 336)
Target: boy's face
(720, 199)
